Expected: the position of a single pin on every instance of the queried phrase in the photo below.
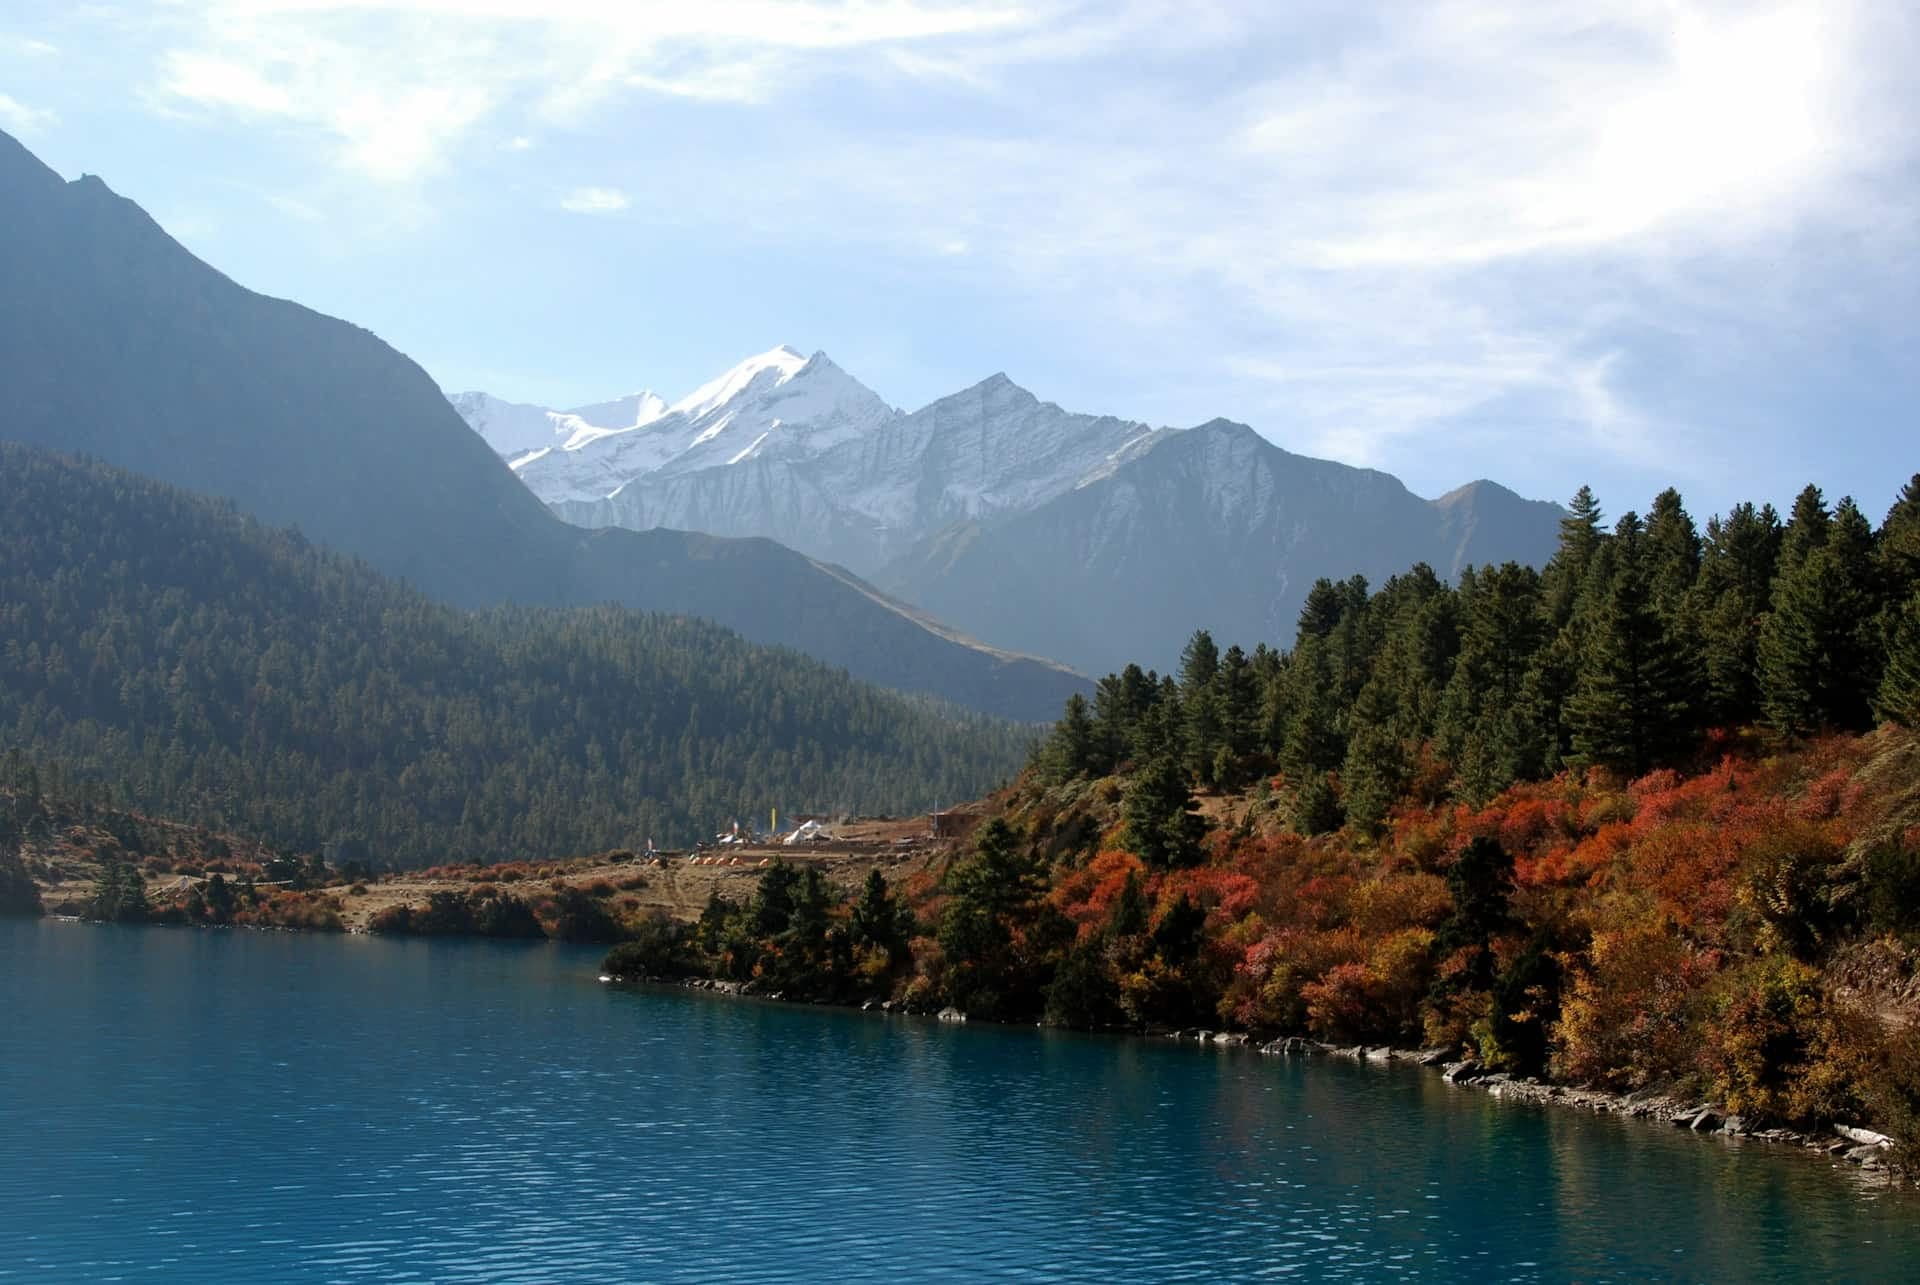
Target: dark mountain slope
(1214, 528)
(215, 669)
(115, 341)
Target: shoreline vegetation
(1641, 827)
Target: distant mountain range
(117, 342)
(1090, 539)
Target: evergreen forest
(171, 655)
(1623, 653)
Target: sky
(1632, 244)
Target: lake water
(213, 1106)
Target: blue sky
(1632, 244)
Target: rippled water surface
(216, 1106)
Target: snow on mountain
(1088, 538)
(510, 428)
(795, 449)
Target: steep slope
(1078, 536)
(114, 340)
(1213, 528)
(213, 668)
(797, 450)
(1484, 522)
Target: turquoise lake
(216, 1106)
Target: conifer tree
(1819, 658)
(1629, 706)
(1313, 742)
(18, 894)
(1898, 700)
(1483, 725)
(1580, 539)
(1072, 749)
(1735, 591)
(1806, 528)
(1200, 706)
(876, 918)
(1377, 764)
(1673, 553)
(1898, 546)
(1163, 823)
(1238, 695)
(1321, 611)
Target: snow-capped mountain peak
(774, 405)
(770, 369)
(630, 411)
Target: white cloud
(25, 46)
(1462, 209)
(595, 200)
(1363, 223)
(398, 84)
(518, 143)
(18, 118)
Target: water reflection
(227, 1106)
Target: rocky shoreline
(1868, 1150)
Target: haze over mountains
(1090, 539)
(117, 342)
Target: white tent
(809, 832)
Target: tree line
(1622, 652)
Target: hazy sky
(1627, 243)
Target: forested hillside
(1621, 654)
(1627, 822)
(116, 341)
(210, 668)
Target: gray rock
(1704, 1121)
(1864, 1137)
(952, 1014)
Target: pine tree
(1581, 538)
(1238, 694)
(1630, 702)
(1898, 700)
(1673, 554)
(1806, 529)
(1735, 590)
(1819, 657)
(1200, 705)
(1899, 544)
(1312, 740)
(1072, 749)
(1377, 765)
(1163, 823)
(1483, 725)
(1321, 611)
(876, 918)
